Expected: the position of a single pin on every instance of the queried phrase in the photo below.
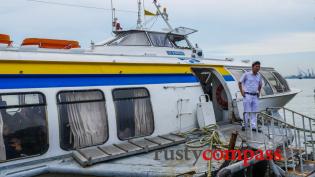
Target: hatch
(51, 43)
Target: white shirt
(251, 82)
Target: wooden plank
(80, 158)
(128, 147)
(112, 150)
(144, 143)
(159, 140)
(94, 154)
(173, 137)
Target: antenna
(139, 21)
(164, 15)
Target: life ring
(221, 101)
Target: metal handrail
(303, 135)
(286, 123)
(278, 120)
(290, 110)
(303, 129)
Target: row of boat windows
(150, 38)
(273, 82)
(83, 120)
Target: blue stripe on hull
(46, 81)
(228, 78)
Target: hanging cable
(81, 6)
(155, 18)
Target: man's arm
(259, 89)
(241, 88)
(240, 84)
(259, 86)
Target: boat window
(160, 40)
(131, 39)
(134, 113)
(83, 118)
(179, 41)
(273, 81)
(237, 73)
(282, 81)
(23, 125)
(266, 89)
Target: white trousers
(251, 103)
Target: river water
(303, 102)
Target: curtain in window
(143, 113)
(87, 120)
(2, 146)
(134, 112)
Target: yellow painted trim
(222, 71)
(55, 67)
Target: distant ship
(309, 74)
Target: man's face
(256, 68)
(16, 144)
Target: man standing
(250, 86)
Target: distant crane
(308, 73)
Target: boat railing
(288, 130)
(302, 125)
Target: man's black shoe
(243, 128)
(254, 130)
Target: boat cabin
(151, 43)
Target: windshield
(160, 40)
(131, 39)
(169, 40)
(282, 81)
(179, 41)
(273, 81)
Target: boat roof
(183, 31)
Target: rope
(209, 136)
(210, 148)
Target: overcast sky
(280, 33)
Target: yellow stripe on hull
(53, 67)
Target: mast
(113, 15)
(139, 21)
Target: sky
(279, 33)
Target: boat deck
(175, 160)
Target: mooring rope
(207, 136)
